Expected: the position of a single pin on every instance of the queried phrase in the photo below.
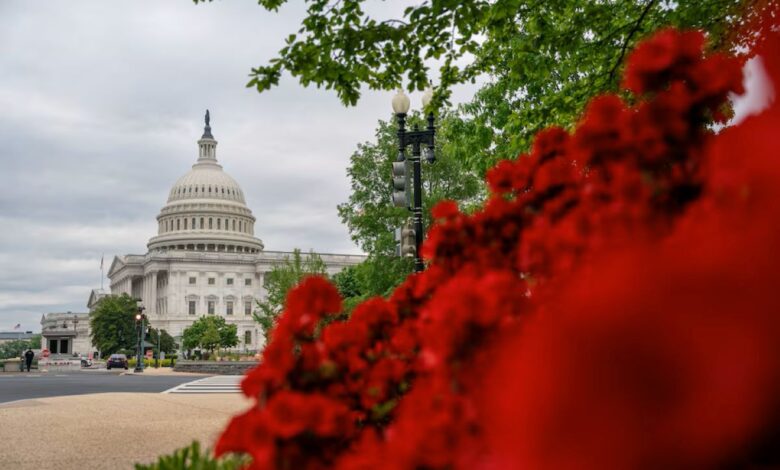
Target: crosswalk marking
(215, 384)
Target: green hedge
(150, 362)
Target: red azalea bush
(611, 306)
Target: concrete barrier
(12, 365)
(215, 367)
(59, 365)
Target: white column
(146, 294)
(153, 288)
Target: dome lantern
(207, 144)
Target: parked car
(116, 360)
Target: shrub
(194, 458)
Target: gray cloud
(101, 105)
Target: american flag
(18, 325)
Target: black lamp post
(417, 139)
(140, 319)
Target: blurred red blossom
(612, 305)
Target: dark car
(117, 360)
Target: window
(230, 281)
(211, 307)
(234, 225)
(211, 223)
(229, 308)
(248, 337)
(247, 282)
(247, 308)
(211, 281)
(219, 224)
(192, 281)
(201, 223)
(178, 224)
(193, 223)
(191, 307)
(185, 224)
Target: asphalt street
(42, 385)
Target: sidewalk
(109, 430)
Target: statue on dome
(207, 118)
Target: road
(42, 385)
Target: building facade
(66, 333)
(205, 258)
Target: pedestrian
(28, 356)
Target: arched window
(193, 223)
(219, 224)
(201, 223)
(196, 189)
(178, 226)
(234, 225)
(185, 224)
(211, 223)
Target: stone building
(66, 333)
(205, 258)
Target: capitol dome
(206, 209)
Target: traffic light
(408, 240)
(399, 184)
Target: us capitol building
(204, 260)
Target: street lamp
(417, 139)
(139, 325)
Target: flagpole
(101, 271)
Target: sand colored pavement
(109, 430)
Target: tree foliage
(16, 348)
(372, 218)
(209, 333)
(279, 280)
(369, 212)
(166, 341)
(112, 324)
(542, 59)
(347, 44)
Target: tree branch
(628, 38)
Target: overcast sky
(101, 105)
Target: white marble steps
(215, 384)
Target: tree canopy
(16, 348)
(166, 341)
(371, 217)
(369, 212)
(209, 333)
(113, 324)
(542, 60)
(347, 44)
